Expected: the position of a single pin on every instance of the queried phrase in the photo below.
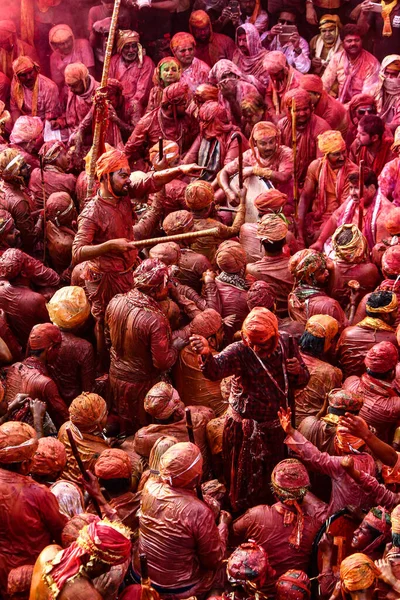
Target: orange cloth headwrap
(322, 326)
(18, 442)
(331, 141)
(50, 457)
(181, 465)
(87, 411)
(21, 65)
(270, 200)
(199, 195)
(358, 572)
(392, 222)
(355, 251)
(231, 256)
(272, 228)
(75, 72)
(395, 516)
(181, 39)
(113, 464)
(264, 129)
(199, 18)
(260, 325)
(112, 160)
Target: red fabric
(353, 345)
(274, 271)
(30, 521)
(44, 336)
(54, 181)
(19, 204)
(112, 464)
(50, 457)
(382, 357)
(24, 307)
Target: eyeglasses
(366, 111)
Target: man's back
(24, 309)
(353, 345)
(29, 521)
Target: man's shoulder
(48, 83)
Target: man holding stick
(106, 228)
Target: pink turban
(150, 274)
(26, 129)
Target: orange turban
(311, 83)
(113, 464)
(111, 161)
(23, 64)
(18, 442)
(74, 526)
(205, 92)
(270, 200)
(182, 39)
(322, 326)
(355, 251)
(392, 222)
(162, 400)
(207, 323)
(358, 572)
(331, 141)
(345, 400)
(168, 252)
(180, 221)
(50, 457)
(69, 306)
(181, 466)
(199, 19)
(75, 72)
(395, 516)
(391, 261)
(43, 336)
(230, 257)
(260, 325)
(126, 36)
(274, 62)
(305, 263)
(264, 129)
(327, 21)
(382, 357)
(170, 149)
(199, 195)
(271, 228)
(87, 411)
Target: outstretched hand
(285, 417)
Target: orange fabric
(260, 325)
(230, 257)
(322, 326)
(113, 464)
(43, 336)
(199, 195)
(199, 18)
(18, 442)
(162, 400)
(331, 141)
(272, 228)
(395, 516)
(75, 72)
(111, 161)
(21, 65)
(270, 200)
(87, 411)
(264, 129)
(50, 457)
(358, 572)
(392, 222)
(181, 465)
(181, 39)
(347, 442)
(180, 221)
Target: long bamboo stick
(191, 235)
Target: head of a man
(286, 17)
(44, 341)
(370, 130)
(264, 139)
(310, 267)
(298, 101)
(329, 29)
(275, 64)
(382, 305)
(200, 27)
(247, 7)
(183, 46)
(351, 40)
(361, 105)
(13, 167)
(260, 332)
(151, 278)
(61, 39)
(77, 78)
(370, 186)
(9, 234)
(114, 470)
(293, 585)
(113, 172)
(241, 41)
(169, 71)
(358, 576)
(175, 100)
(374, 530)
(313, 85)
(26, 71)
(319, 333)
(8, 35)
(349, 244)
(18, 444)
(333, 147)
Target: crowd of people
(199, 294)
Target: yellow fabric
(386, 10)
(353, 252)
(358, 572)
(331, 141)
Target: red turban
(162, 400)
(43, 336)
(379, 518)
(300, 97)
(18, 442)
(311, 83)
(102, 540)
(182, 465)
(58, 204)
(111, 161)
(74, 526)
(231, 257)
(205, 92)
(168, 252)
(199, 195)
(12, 262)
(392, 222)
(207, 323)
(19, 581)
(249, 562)
(261, 294)
(361, 100)
(271, 200)
(182, 39)
(176, 93)
(26, 129)
(113, 464)
(87, 411)
(51, 150)
(391, 261)
(50, 457)
(214, 120)
(382, 357)
(150, 274)
(292, 585)
(180, 221)
(342, 399)
(260, 326)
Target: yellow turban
(331, 141)
(326, 21)
(358, 572)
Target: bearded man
(134, 70)
(326, 186)
(372, 144)
(263, 368)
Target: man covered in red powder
(264, 368)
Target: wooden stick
(144, 569)
(190, 235)
(189, 427)
(361, 195)
(44, 205)
(238, 137)
(160, 149)
(294, 147)
(99, 124)
(81, 466)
